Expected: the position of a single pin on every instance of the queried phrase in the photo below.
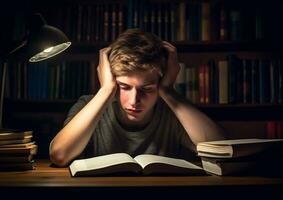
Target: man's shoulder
(85, 98)
(81, 102)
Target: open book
(236, 148)
(143, 164)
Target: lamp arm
(15, 49)
(3, 78)
(4, 72)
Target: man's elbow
(58, 158)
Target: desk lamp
(42, 42)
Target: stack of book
(226, 157)
(17, 150)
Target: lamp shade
(44, 41)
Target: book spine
(106, 23)
(205, 21)
(223, 23)
(182, 20)
(201, 74)
(223, 81)
(255, 81)
(246, 81)
(180, 84)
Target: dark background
(45, 118)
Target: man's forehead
(138, 79)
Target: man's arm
(198, 125)
(73, 138)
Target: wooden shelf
(193, 46)
(36, 106)
(240, 112)
(220, 112)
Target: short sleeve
(82, 101)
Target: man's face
(138, 93)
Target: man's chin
(133, 118)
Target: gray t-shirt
(164, 135)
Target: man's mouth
(128, 110)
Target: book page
(147, 159)
(104, 161)
(105, 164)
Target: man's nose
(135, 96)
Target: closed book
(226, 166)
(205, 21)
(106, 19)
(264, 82)
(24, 140)
(207, 92)
(247, 67)
(235, 25)
(17, 166)
(201, 79)
(18, 145)
(172, 21)
(232, 61)
(10, 134)
(255, 81)
(213, 82)
(236, 147)
(180, 84)
(280, 82)
(16, 159)
(223, 81)
(263, 163)
(182, 21)
(31, 149)
(189, 83)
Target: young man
(136, 109)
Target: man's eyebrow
(153, 82)
(150, 83)
(121, 83)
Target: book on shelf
(180, 83)
(146, 164)
(236, 147)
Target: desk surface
(46, 176)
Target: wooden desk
(49, 181)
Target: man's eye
(124, 87)
(149, 89)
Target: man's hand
(172, 69)
(105, 75)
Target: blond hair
(136, 51)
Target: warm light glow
(48, 49)
(50, 52)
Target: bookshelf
(243, 29)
